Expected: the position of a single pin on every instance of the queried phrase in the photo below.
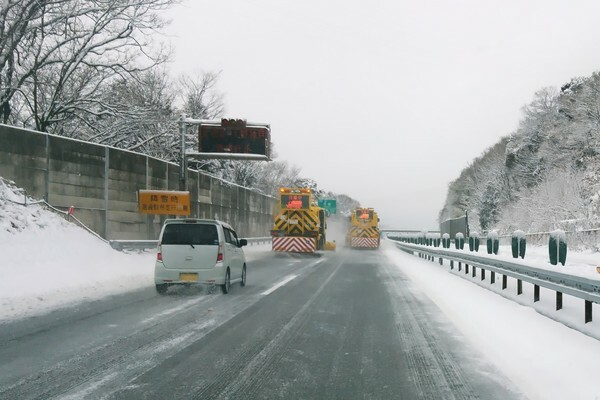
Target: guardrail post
(493, 277)
(519, 286)
(536, 293)
(441, 261)
(474, 241)
(518, 244)
(446, 241)
(459, 241)
(557, 247)
(493, 243)
(504, 282)
(588, 311)
(559, 304)
(459, 267)
(466, 268)
(483, 274)
(474, 271)
(452, 265)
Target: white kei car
(199, 251)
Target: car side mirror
(243, 242)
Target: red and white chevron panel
(364, 242)
(294, 244)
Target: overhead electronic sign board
(234, 136)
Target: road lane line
(252, 372)
(278, 285)
(173, 310)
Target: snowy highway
(345, 325)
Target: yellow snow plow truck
(364, 229)
(299, 224)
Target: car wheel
(225, 286)
(162, 288)
(243, 283)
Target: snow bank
(15, 218)
(544, 358)
(48, 262)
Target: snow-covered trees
(55, 56)
(545, 174)
(96, 70)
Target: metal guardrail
(151, 244)
(583, 288)
(133, 244)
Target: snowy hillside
(543, 176)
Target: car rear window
(202, 234)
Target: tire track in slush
(248, 380)
(92, 370)
(94, 364)
(229, 307)
(434, 371)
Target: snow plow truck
(364, 229)
(299, 225)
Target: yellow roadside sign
(165, 202)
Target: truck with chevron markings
(363, 232)
(299, 225)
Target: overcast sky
(386, 101)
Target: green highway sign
(330, 206)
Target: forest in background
(98, 70)
(543, 176)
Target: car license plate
(188, 277)
(293, 222)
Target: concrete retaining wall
(102, 182)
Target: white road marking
(278, 285)
(175, 309)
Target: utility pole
(182, 160)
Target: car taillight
(159, 254)
(220, 254)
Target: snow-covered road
(81, 320)
(544, 358)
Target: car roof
(197, 220)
